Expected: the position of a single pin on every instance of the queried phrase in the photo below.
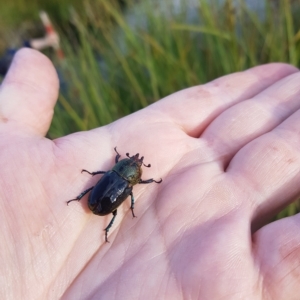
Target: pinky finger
(277, 250)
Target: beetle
(115, 186)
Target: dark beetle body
(108, 194)
(115, 186)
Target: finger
(267, 170)
(194, 108)
(249, 119)
(29, 92)
(277, 251)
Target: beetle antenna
(127, 154)
(142, 158)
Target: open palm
(228, 154)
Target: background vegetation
(121, 56)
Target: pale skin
(229, 156)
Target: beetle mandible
(115, 186)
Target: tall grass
(113, 68)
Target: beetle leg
(149, 181)
(132, 205)
(118, 155)
(80, 195)
(109, 225)
(93, 173)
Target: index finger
(194, 108)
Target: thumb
(28, 93)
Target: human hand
(228, 154)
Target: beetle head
(138, 160)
